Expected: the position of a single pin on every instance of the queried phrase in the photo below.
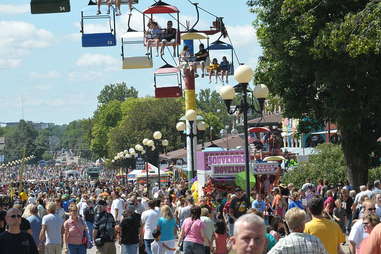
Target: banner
(264, 168)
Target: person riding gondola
(152, 36)
(168, 36)
(201, 57)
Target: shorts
(170, 40)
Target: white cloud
(85, 75)
(9, 63)
(97, 60)
(45, 75)
(14, 9)
(18, 38)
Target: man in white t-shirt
(82, 205)
(358, 233)
(52, 230)
(149, 223)
(117, 207)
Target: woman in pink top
(74, 230)
(369, 222)
(192, 233)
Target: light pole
(191, 137)
(159, 143)
(243, 74)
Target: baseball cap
(102, 202)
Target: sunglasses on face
(371, 209)
(15, 216)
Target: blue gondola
(99, 39)
(220, 45)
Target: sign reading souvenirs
(229, 163)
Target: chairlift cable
(204, 10)
(174, 18)
(234, 51)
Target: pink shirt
(193, 231)
(75, 229)
(372, 244)
(221, 242)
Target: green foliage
(106, 117)
(20, 141)
(118, 91)
(77, 137)
(141, 118)
(374, 174)
(328, 163)
(322, 58)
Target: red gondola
(162, 8)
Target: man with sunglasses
(14, 241)
(357, 232)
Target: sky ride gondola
(134, 62)
(168, 91)
(106, 39)
(220, 45)
(49, 6)
(162, 8)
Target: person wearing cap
(104, 230)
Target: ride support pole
(190, 103)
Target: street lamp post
(243, 75)
(159, 143)
(191, 135)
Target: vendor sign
(227, 169)
(264, 168)
(205, 160)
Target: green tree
(106, 117)
(213, 109)
(322, 58)
(142, 117)
(20, 141)
(328, 163)
(118, 91)
(77, 137)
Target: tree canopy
(118, 91)
(322, 58)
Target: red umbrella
(258, 129)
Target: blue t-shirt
(167, 229)
(35, 224)
(297, 204)
(260, 205)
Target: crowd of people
(73, 215)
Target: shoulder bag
(182, 241)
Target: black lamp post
(243, 74)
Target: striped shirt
(298, 243)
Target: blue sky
(47, 76)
